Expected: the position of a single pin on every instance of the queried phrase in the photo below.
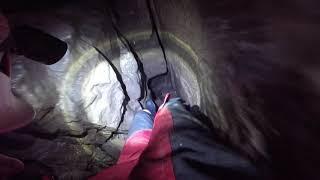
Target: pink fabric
(134, 146)
(146, 154)
(155, 162)
(128, 159)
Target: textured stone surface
(83, 113)
(79, 101)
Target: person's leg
(143, 119)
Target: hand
(14, 112)
(9, 166)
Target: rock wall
(250, 66)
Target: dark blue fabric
(151, 106)
(142, 120)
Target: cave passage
(85, 102)
(250, 69)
